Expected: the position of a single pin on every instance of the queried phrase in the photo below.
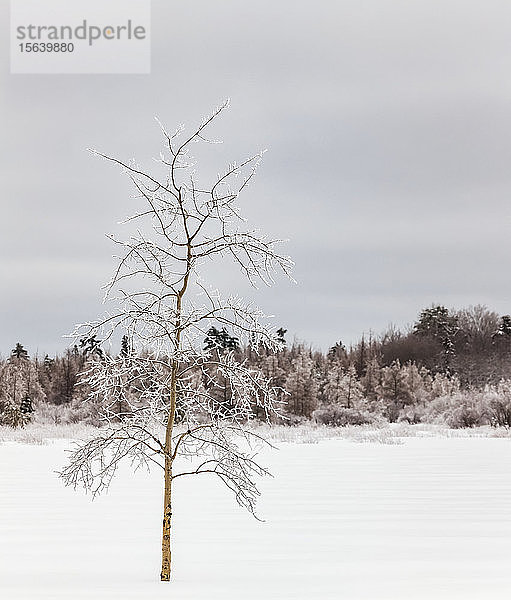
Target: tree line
(450, 365)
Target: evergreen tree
(505, 326)
(19, 352)
(26, 410)
(281, 333)
(219, 344)
(126, 349)
(502, 336)
(220, 340)
(91, 346)
(338, 352)
(440, 325)
(19, 386)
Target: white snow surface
(428, 518)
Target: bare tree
(165, 309)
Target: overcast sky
(388, 125)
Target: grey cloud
(388, 125)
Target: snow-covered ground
(426, 518)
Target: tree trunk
(167, 519)
(166, 554)
(167, 495)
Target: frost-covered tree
(302, 385)
(442, 385)
(343, 386)
(371, 380)
(395, 389)
(160, 301)
(19, 387)
(273, 367)
(64, 374)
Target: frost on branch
(166, 400)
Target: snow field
(427, 518)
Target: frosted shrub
(444, 385)
(50, 414)
(435, 409)
(67, 414)
(469, 409)
(499, 404)
(412, 414)
(468, 414)
(340, 416)
(289, 419)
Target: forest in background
(450, 366)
